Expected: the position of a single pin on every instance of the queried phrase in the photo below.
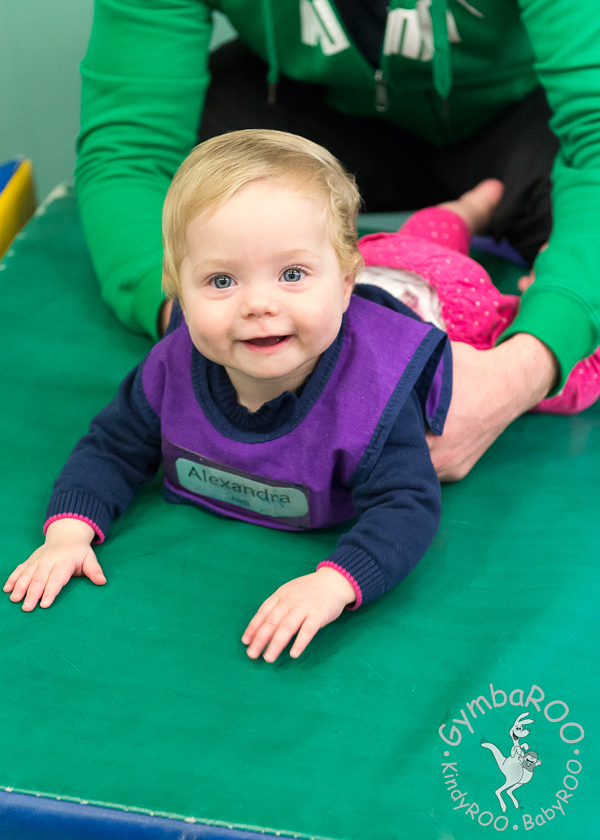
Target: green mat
(139, 694)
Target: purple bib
(302, 478)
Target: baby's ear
(349, 281)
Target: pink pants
(434, 243)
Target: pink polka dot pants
(434, 243)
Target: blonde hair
(217, 168)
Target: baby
(277, 396)
(426, 265)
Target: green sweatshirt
(447, 67)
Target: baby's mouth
(267, 341)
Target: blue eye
(292, 275)
(222, 281)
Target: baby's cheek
(205, 337)
(325, 327)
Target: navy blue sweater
(398, 504)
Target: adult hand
(65, 554)
(491, 388)
(529, 279)
(302, 606)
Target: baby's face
(262, 289)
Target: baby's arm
(302, 606)
(121, 451)
(399, 508)
(66, 553)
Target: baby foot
(476, 206)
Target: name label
(204, 477)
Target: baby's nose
(260, 302)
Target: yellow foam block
(17, 204)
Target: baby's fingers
(58, 577)
(263, 611)
(92, 569)
(34, 590)
(14, 577)
(305, 635)
(288, 627)
(22, 585)
(270, 624)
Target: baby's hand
(302, 606)
(65, 554)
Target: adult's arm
(562, 308)
(491, 388)
(559, 320)
(144, 81)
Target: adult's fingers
(525, 282)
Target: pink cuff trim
(349, 578)
(99, 534)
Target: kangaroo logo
(517, 767)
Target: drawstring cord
(381, 74)
(442, 66)
(273, 62)
(434, 22)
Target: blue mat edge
(31, 817)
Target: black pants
(394, 168)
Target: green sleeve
(562, 308)
(144, 81)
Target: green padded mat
(139, 694)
